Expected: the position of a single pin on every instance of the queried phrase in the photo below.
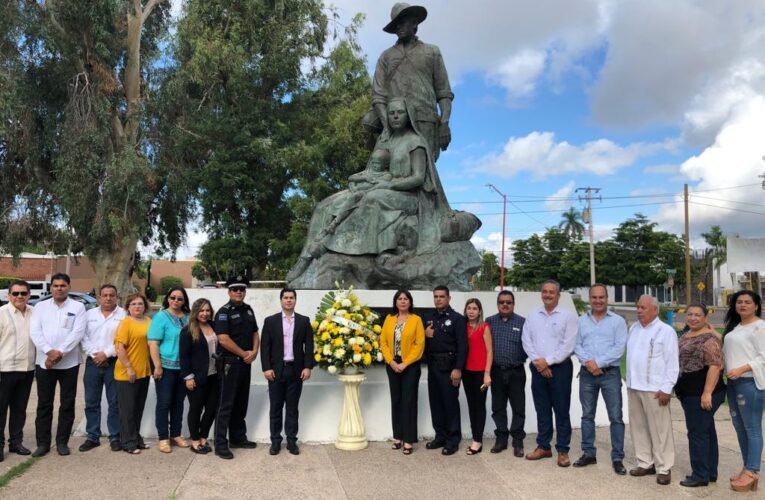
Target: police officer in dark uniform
(446, 351)
(238, 344)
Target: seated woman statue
(395, 206)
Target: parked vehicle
(87, 300)
(37, 289)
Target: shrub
(151, 293)
(5, 281)
(167, 282)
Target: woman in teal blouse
(163, 338)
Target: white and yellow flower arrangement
(346, 333)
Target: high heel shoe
(737, 475)
(471, 451)
(397, 445)
(747, 481)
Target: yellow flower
(314, 324)
(377, 329)
(367, 359)
(356, 348)
(375, 344)
(317, 357)
(338, 341)
(367, 347)
(336, 305)
(363, 323)
(347, 316)
(325, 336)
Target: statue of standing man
(415, 71)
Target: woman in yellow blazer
(402, 342)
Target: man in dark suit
(287, 358)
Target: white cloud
(492, 243)
(539, 154)
(560, 199)
(734, 159)
(518, 74)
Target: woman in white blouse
(744, 349)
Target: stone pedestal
(351, 435)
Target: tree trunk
(113, 266)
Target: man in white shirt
(56, 330)
(17, 364)
(98, 345)
(549, 336)
(652, 369)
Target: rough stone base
(453, 265)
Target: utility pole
(687, 250)
(587, 217)
(504, 214)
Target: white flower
(345, 330)
(379, 356)
(340, 353)
(327, 350)
(332, 369)
(356, 309)
(330, 311)
(448, 322)
(351, 341)
(341, 312)
(357, 358)
(324, 324)
(347, 303)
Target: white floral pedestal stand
(351, 435)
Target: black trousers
(476, 400)
(284, 394)
(234, 398)
(46, 391)
(403, 401)
(15, 388)
(203, 398)
(444, 407)
(131, 398)
(509, 384)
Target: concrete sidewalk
(323, 472)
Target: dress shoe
(225, 453)
(448, 451)
(63, 449)
(585, 460)
(711, 479)
(244, 444)
(640, 472)
(518, 451)
(293, 448)
(275, 449)
(619, 467)
(19, 449)
(538, 454)
(198, 449)
(434, 445)
(115, 445)
(563, 460)
(498, 447)
(41, 451)
(664, 479)
(690, 482)
(88, 445)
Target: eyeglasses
(239, 289)
(505, 302)
(178, 299)
(19, 294)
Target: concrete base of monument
(321, 402)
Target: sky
(636, 98)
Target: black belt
(509, 367)
(289, 363)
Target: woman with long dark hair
(402, 342)
(164, 336)
(701, 391)
(744, 349)
(477, 374)
(197, 346)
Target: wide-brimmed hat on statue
(402, 9)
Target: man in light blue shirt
(548, 337)
(600, 344)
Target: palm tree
(718, 250)
(572, 224)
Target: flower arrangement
(345, 332)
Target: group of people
(203, 356)
(464, 349)
(191, 352)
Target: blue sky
(635, 98)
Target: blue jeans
(610, 385)
(746, 404)
(553, 395)
(702, 436)
(171, 391)
(95, 380)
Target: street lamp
(504, 214)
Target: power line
(728, 208)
